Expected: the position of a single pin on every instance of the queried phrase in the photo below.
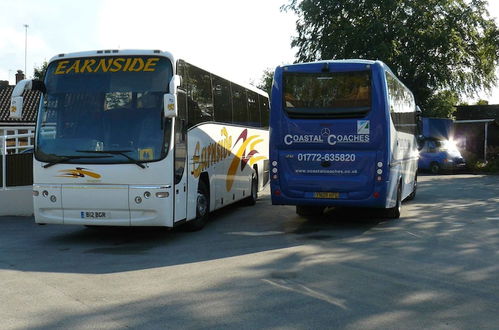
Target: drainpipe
(485, 143)
(3, 153)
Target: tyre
(394, 212)
(251, 200)
(202, 208)
(413, 193)
(308, 210)
(434, 168)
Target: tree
(265, 83)
(431, 45)
(39, 73)
(441, 105)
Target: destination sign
(106, 64)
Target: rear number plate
(331, 195)
(94, 215)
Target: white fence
(16, 171)
(16, 139)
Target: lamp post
(26, 26)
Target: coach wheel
(394, 212)
(202, 208)
(251, 200)
(413, 193)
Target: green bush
(491, 167)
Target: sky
(237, 39)
(233, 38)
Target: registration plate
(94, 215)
(324, 194)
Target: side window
(180, 136)
(253, 109)
(239, 105)
(264, 110)
(199, 94)
(402, 106)
(180, 131)
(221, 100)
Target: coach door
(180, 150)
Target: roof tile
(31, 103)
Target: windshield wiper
(66, 158)
(115, 152)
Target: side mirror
(175, 82)
(419, 112)
(170, 105)
(16, 102)
(420, 141)
(16, 107)
(170, 99)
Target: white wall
(16, 201)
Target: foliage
(265, 83)
(477, 165)
(491, 167)
(39, 73)
(441, 104)
(482, 102)
(431, 45)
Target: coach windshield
(104, 110)
(327, 94)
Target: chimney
(19, 76)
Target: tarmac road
(266, 267)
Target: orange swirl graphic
(240, 157)
(79, 172)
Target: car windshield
(111, 105)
